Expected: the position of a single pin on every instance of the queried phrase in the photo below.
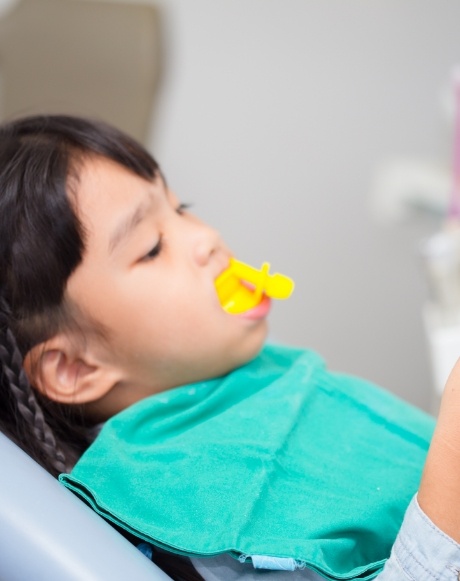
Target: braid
(28, 411)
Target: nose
(206, 243)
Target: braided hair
(41, 243)
(21, 414)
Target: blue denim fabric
(421, 552)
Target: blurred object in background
(441, 255)
(98, 59)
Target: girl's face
(148, 278)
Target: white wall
(274, 116)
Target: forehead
(106, 191)
(103, 182)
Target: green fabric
(280, 458)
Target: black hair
(42, 242)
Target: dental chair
(98, 59)
(48, 534)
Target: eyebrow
(127, 225)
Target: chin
(252, 347)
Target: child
(107, 297)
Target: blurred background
(315, 135)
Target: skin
(439, 489)
(149, 282)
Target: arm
(427, 547)
(439, 494)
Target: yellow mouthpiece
(241, 287)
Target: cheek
(160, 308)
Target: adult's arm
(439, 495)
(427, 546)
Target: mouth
(260, 311)
(238, 296)
(245, 291)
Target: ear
(66, 371)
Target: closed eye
(155, 250)
(182, 208)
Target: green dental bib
(280, 458)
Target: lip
(260, 311)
